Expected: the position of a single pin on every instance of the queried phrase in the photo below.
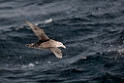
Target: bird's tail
(30, 45)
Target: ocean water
(92, 31)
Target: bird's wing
(57, 52)
(38, 32)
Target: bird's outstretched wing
(38, 32)
(57, 52)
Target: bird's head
(60, 44)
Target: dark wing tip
(25, 20)
(32, 26)
(38, 32)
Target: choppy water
(92, 31)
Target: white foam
(30, 65)
(36, 62)
(49, 62)
(45, 22)
(121, 51)
(48, 21)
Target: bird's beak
(64, 47)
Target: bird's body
(44, 41)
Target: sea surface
(92, 31)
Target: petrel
(44, 41)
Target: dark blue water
(92, 31)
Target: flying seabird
(44, 41)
